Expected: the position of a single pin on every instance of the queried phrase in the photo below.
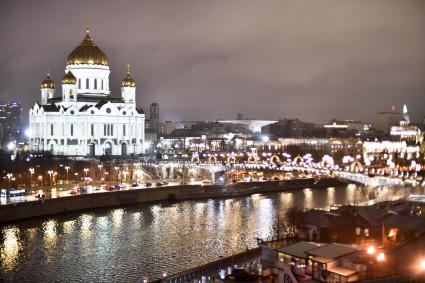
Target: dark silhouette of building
(10, 121)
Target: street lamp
(125, 173)
(31, 172)
(9, 175)
(85, 171)
(100, 170)
(50, 172)
(117, 169)
(76, 175)
(67, 169)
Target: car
(120, 187)
(147, 184)
(206, 182)
(158, 184)
(165, 183)
(134, 185)
(110, 188)
(40, 196)
(73, 192)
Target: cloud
(313, 60)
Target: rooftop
(332, 251)
(299, 249)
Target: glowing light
(422, 264)
(371, 250)
(11, 146)
(392, 233)
(28, 133)
(380, 257)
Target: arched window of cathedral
(124, 113)
(51, 129)
(71, 95)
(72, 112)
(123, 130)
(79, 83)
(108, 110)
(92, 112)
(104, 129)
(102, 83)
(95, 83)
(72, 129)
(92, 129)
(87, 84)
(112, 130)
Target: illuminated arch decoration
(356, 164)
(195, 159)
(275, 159)
(231, 159)
(298, 159)
(211, 158)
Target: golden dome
(48, 82)
(69, 79)
(87, 53)
(128, 80)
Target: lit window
(358, 231)
(366, 232)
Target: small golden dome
(69, 79)
(48, 82)
(87, 53)
(128, 80)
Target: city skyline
(211, 62)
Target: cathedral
(86, 120)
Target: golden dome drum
(69, 79)
(48, 82)
(87, 53)
(128, 81)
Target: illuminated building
(384, 149)
(253, 125)
(386, 120)
(86, 120)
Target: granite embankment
(25, 210)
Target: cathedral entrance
(92, 149)
(108, 148)
(123, 149)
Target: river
(123, 244)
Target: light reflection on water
(145, 240)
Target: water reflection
(50, 234)
(145, 240)
(330, 197)
(308, 198)
(10, 248)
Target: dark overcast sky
(313, 60)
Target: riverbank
(46, 207)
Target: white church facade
(85, 120)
